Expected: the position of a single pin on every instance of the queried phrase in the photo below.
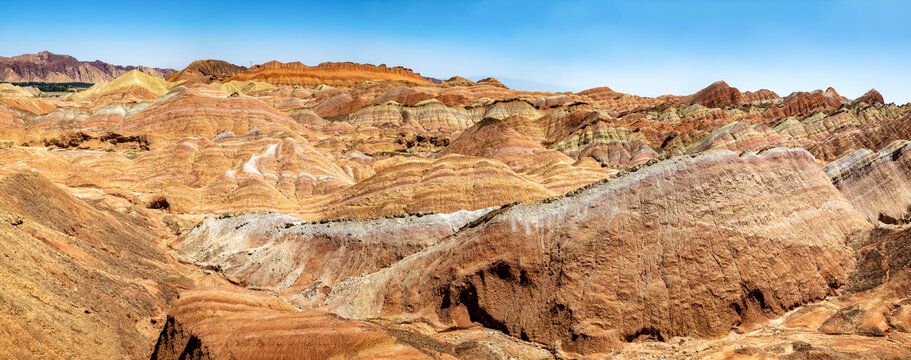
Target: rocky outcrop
(803, 103)
(53, 68)
(870, 97)
(207, 71)
(719, 94)
(878, 184)
(611, 146)
(344, 74)
(631, 257)
(279, 253)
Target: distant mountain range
(54, 68)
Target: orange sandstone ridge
(332, 74)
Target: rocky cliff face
(49, 67)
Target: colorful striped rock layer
(356, 211)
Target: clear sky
(642, 47)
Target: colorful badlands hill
(359, 211)
(53, 68)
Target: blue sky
(642, 47)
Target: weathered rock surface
(871, 97)
(332, 74)
(49, 67)
(878, 184)
(588, 273)
(284, 255)
(207, 71)
(203, 111)
(214, 323)
(719, 94)
(80, 278)
(398, 173)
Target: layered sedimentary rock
(22, 99)
(760, 97)
(878, 184)
(718, 94)
(682, 232)
(81, 278)
(739, 137)
(200, 110)
(497, 139)
(802, 103)
(49, 67)
(829, 137)
(243, 87)
(214, 323)
(13, 90)
(611, 146)
(375, 198)
(447, 184)
(278, 253)
(27, 104)
(332, 74)
(207, 71)
(871, 97)
(131, 87)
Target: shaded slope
(81, 280)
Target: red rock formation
(207, 71)
(870, 97)
(493, 138)
(48, 67)
(763, 96)
(719, 94)
(334, 74)
(803, 103)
